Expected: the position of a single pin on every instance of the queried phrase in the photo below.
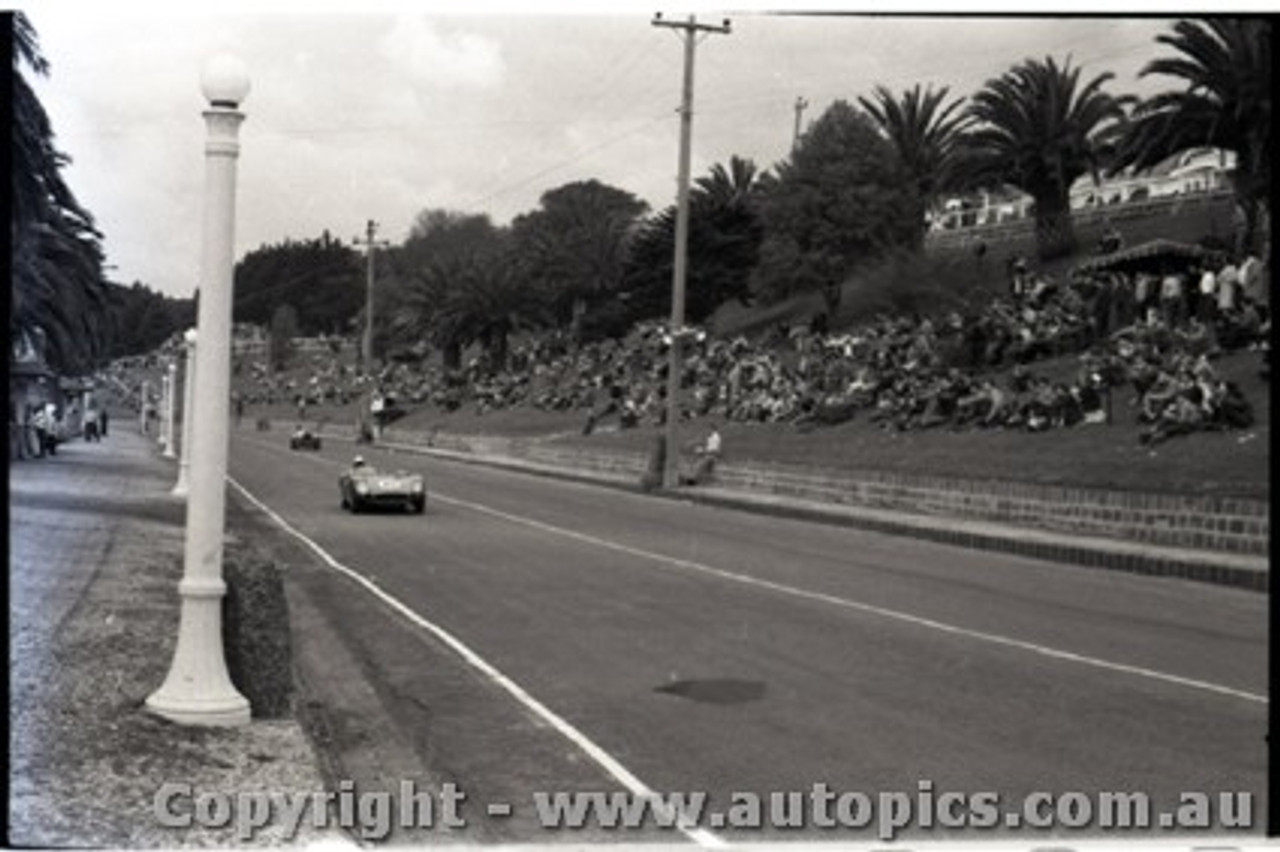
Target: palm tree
(927, 136)
(1038, 129)
(464, 299)
(487, 304)
(412, 308)
(724, 238)
(575, 245)
(727, 186)
(1226, 66)
(56, 287)
(58, 298)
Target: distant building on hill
(1191, 172)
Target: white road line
(806, 594)
(993, 638)
(602, 758)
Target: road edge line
(602, 758)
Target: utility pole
(801, 103)
(690, 28)
(370, 244)
(366, 342)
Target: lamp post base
(227, 711)
(198, 690)
(181, 488)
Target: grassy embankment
(1098, 455)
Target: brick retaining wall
(1211, 523)
(1227, 524)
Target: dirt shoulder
(95, 558)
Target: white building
(1197, 170)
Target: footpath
(1224, 541)
(95, 555)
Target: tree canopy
(454, 283)
(322, 278)
(843, 199)
(927, 135)
(574, 246)
(1039, 128)
(58, 298)
(1224, 65)
(724, 246)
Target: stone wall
(1211, 523)
(1226, 524)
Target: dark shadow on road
(715, 690)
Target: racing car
(304, 439)
(364, 487)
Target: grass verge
(87, 757)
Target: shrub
(912, 283)
(255, 632)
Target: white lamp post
(182, 486)
(164, 378)
(171, 391)
(86, 405)
(198, 690)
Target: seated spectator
(1230, 408)
(1180, 416)
(707, 455)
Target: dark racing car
(304, 439)
(363, 487)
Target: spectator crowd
(1156, 334)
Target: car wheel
(418, 506)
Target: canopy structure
(1154, 256)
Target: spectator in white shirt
(1228, 284)
(1207, 301)
(1253, 285)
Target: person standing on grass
(47, 428)
(377, 407)
(1228, 285)
(1253, 285)
(91, 422)
(1143, 284)
(1171, 298)
(1207, 295)
(39, 425)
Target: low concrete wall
(1211, 523)
(1227, 524)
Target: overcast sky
(388, 111)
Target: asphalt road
(689, 648)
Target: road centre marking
(860, 606)
(847, 603)
(602, 758)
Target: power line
(577, 157)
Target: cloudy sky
(385, 112)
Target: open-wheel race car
(364, 487)
(304, 439)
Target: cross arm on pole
(691, 24)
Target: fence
(1023, 229)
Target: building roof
(29, 370)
